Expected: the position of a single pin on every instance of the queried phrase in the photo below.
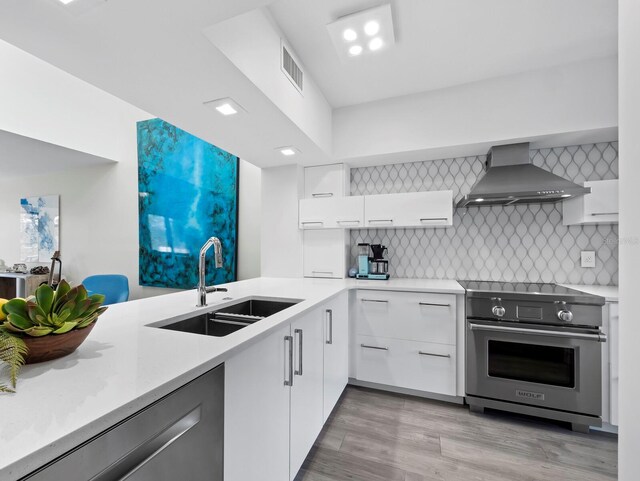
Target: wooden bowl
(53, 346)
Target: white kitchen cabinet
(614, 342)
(325, 181)
(307, 388)
(405, 340)
(598, 207)
(256, 427)
(421, 366)
(336, 350)
(414, 209)
(412, 316)
(325, 253)
(332, 213)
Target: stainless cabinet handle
(366, 346)
(312, 223)
(375, 300)
(434, 304)
(322, 272)
(298, 372)
(387, 221)
(599, 337)
(322, 194)
(348, 222)
(422, 353)
(427, 219)
(606, 213)
(128, 465)
(330, 318)
(289, 340)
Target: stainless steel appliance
(511, 178)
(534, 349)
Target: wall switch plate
(588, 258)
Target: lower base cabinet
(274, 402)
(336, 351)
(421, 366)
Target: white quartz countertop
(124, 365)
(610, 293)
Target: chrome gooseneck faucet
(202, 287)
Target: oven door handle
(600, 337)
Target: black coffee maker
(378, 265)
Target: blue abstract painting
(188, 192)
(39, 228)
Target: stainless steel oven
(521, 356)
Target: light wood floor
(376, 436)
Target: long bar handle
(427, 219)
(384, 301)
(298, 371)
(136, 459)
(348, 222)
(312, 223)
(330, 318)
(599, 337)
(422, 353)
(366, 346)
(388, 221)
(434, 304)
(605, 213)
(289, 340)
(322, 194)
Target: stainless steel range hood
(511, 178)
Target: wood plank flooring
(378, 436)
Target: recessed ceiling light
(565, 195)
(225, 106)
(349, 35)
(371, 28)
(376, 44)
(288, 150)
(355, 50)
(66, 2)
(479, 200)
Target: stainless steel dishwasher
(179, 437)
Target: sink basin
(224, 321)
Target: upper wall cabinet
(598, 207)
(332, 213)
(325, 181)
(414, 209)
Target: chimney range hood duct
(511, 178)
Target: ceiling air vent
(291, 69)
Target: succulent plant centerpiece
(48, 314)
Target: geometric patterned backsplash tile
(525, 243)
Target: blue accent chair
(114, 287)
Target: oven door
(544, 366)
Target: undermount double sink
(231, 318)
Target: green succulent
(49, 312)
(52, 312)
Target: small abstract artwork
(39, 228)
(187, 192)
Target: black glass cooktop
(528, 290)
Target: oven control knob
(565, 315)
(498, 311)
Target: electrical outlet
(588, 258)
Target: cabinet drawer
(408, 364)
(412, 316)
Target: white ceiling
(21, 156)
(153, 54)
(441, 43)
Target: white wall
(252, 42)
(575, 97)
(45, 103)
(629, 52)
(281, 240)
(249, 221)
